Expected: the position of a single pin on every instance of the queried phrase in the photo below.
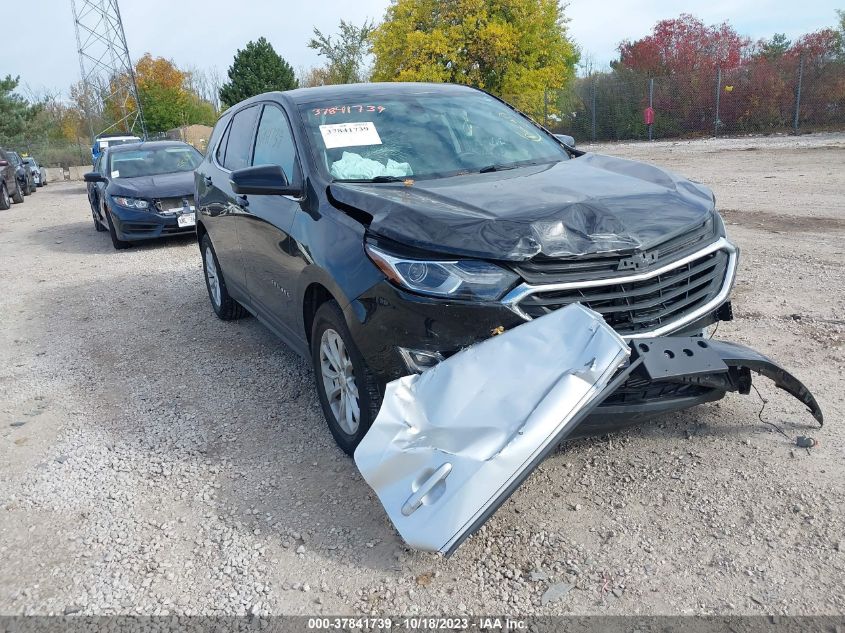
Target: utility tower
(108, 78)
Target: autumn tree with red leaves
(684, 45)
(688, 63)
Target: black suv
(25, 180)
(10, 188)
(379, 228)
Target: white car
(110, 140)
(39, 176)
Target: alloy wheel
(339, 381)
(212, 277)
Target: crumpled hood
(159, 186)
(587, 205)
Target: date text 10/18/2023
(483, 623)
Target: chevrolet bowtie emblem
(637, 261)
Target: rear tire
(226, 308)
(5, 200)
(118, 243)
(344, 383)
(17, 196)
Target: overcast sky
(206, 33)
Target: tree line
(708, 79)
(517, 49)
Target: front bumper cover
(719, 365)
(132, 225)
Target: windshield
(423, 136)
(151, 162)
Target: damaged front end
(450, 445)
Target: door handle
(415, 500)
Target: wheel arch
(316, 294)
(201, 232)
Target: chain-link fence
(788, 94)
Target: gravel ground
(156, 460)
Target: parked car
(23, 173)
(39, 174)
(143, 191)
(104, 141)
(10, 189)
(380, 228)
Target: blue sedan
(144, 191)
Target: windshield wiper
(495, 167)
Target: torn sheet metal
(449, 445)
(583, 206)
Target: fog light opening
(417, 361)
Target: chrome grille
(637, 304)
(544, 270)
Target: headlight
(131, 203)
(455, 279)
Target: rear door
(219, 206)
(268, 252)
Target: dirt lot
(154, 459)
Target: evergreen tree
(256, 69)
(15, 112)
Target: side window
(274, 143)
(240, 139)
(221, 149)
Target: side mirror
(4, 163)
(262, 180)
(566, 139)
(93, 176)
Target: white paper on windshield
(349, 134)
(115, 174)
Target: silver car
(39, 175)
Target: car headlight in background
(454, 279)
(131, 203)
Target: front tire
(118, 243)
(5, 200)
(17, 196)
(348, 392)
(226, 308)
(97, 226)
